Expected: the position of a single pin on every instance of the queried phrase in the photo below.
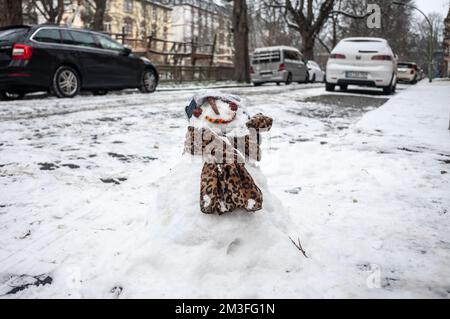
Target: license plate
(356, 75)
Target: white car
(364, 62)
(408, 72)
(315, 73)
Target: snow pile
(207, 255)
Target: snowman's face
(220, 116)
(217, 112)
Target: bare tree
(307, 17)
(240, 37)
(10, 12)
(51, 10)
(98, 14)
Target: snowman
(203, 239)
(226, 138)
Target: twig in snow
(299, 246)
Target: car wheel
(289, 79)
(149, 81)
(257, 84)
(313, 80)
(387, 90)
(343, 87)
(330, 87)
(66, 82)
(391, 88)
(278, 83)
(99, 92)
(8, 96)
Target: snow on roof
(355, 39)
(274, 48)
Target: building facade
(446, 46)
(137, 19)
(202, 21)
(199, 21)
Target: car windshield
(12, 34)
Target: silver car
(279, 64)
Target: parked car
(408, 72)
(421, 73)
(315, 73)
(279, 64)
(362, 61)
(66, 60)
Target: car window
(83, 39)
(12, 34)
(261, 57)
(109, 44)
(291, 55)
(67, 38)
(405, 66)
(48, 36)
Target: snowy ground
(79, 183)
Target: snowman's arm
(260, 123)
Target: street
(79, 179)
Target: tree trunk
(240, 36)
(10, 12)
(308, 46)
(99, 14)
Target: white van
(364, 62)
(279, 64)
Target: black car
(66, 60)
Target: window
(66, 38)
(12, 34)
(127, 27)
(128, 6)
(48, 36)
(292, 55)
(107, 27)
(84, 39)
(109, 44)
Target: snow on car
(364, 62)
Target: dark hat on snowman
(190, 108)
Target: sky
(428, 6)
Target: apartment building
(137, 19)
(200, 21)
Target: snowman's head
(219, 112)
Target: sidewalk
(415, 118)
(374, 206)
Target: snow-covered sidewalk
(374, 206)
(369, 200)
